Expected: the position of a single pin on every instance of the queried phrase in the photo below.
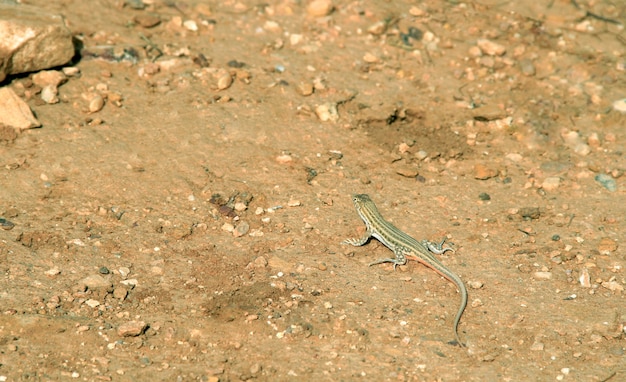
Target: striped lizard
(405, 247)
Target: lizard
(405, 247)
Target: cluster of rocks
(30, 40)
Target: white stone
(92, 303)
(327, 112)
(620, 105)
(191, 25)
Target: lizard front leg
(358, 242)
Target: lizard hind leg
(399, 260)
(437, 248)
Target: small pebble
(543, 275)
(71, 71)
(417, 12)
(295, 39)
(584, 278)
(335, 154)
(52, 271)
(613, 285)
(147, 21)
(272, 26)
(487, 61)
(285, 158)
(491, 48)
(77, 242)
(421, 155)
(370, 58)
(582, 149)
(256, 368)
(149, 69)
(6, 225)
(594, 140)
(529, 212)
(620, 105)
(537, 346)
(227, 211)
(120, 293)
(483, 172)
(305, 88)
(403, 148)
(49, 94)
(224, 82)
(320, 8)
(551, 183)
(96, 104)
(92, 303)
(130, 282)
(190, 25)
(241, 229)
(281, 285)
(377, 28)
(475, 52)
(294, 203)
(489, 113)
(514, 157)
(607, 182)
(239, 206)
(96, 282)
(260, 262)
(607, 246)
(104, 271)
(132, 329)
(49, 78)
(527, 67)
(407, 171)
(327, 112)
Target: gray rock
(31, 40)
(607, 182)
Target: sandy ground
(191, 228)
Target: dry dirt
(123, 264)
